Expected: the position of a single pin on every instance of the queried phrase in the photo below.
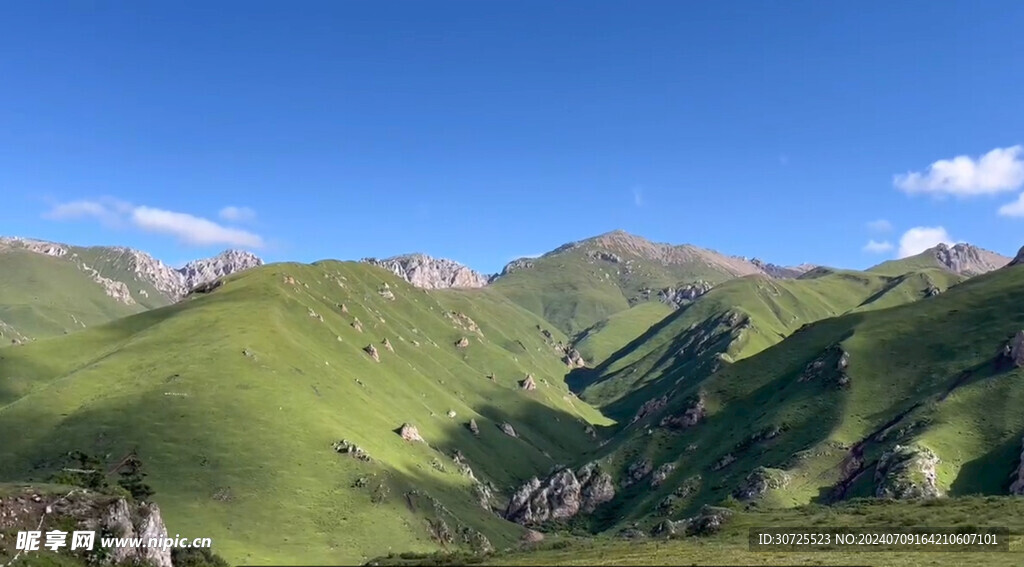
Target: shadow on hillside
(580, 379)
(990, 474)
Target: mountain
(431, 273)
(47, 288)
(314, 414)
(582, 283)
(909, 400)
(963, 259)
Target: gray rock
(372, 351)
(410, 433)
(907, 472)
(507, 429)
(431, 273)
(1013, 350)
(1017, 486)
(661, 474)
(760, 481)
(560, 496)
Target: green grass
(600, 341)
(43, 296)
(574, 290)
(238, 446)
(928, 367)
(730, 546)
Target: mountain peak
(967, 259)
(428, 272)
(198, 272)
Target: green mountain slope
(601, 340)
(582, 283)
(49, 289)
(736, 320)
(43, 295)
(912, 400)
(235, 399)
(963, 259)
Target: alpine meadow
(327, 283)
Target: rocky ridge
(428, 272)
(172, 283)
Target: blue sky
(483, 131)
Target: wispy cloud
(998, 171)
(880, 226)
(876, 247)
(921, 238)
(237, 214)
(638, 196)
(188, 229)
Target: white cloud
(1000, 170)
(921, 238)
(875, 247)
(237, 214)
(191, 229)
(1014, 209)
(879, 226)
(638, 196)
(186, 228)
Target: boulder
(451, 414)
(372, 351)
(507, 429)
(344, 447)
(410, 433)
(387, 345)
(357, 325)
(462, 343)
(473, 427)
(528, 384)
(650, 407)
(532, 536)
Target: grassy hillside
(601, 340)
(49, 289)
(824, 409)
(730, 546)
(233, 400)
(583, 283)
(43, 295)
(736, 320)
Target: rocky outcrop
(661, 474)
(782, 272)
(650, 407)
(346, 447)
(967, 260)
(372, 351)
(1017, 485)
(561, 496)
(529, 384)
(692, 415)
(462, 343)
(431, 273)
(907, 472)
(636, 471)
(173, 284)
(26, 509)
(573, 359)
(683, 294)
(387, 344)
(760, 481)
(707, 522)
(226, 263)
(507, 429)
(1013, 351)
(830, 366)
(473, 427)
(516, 265)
